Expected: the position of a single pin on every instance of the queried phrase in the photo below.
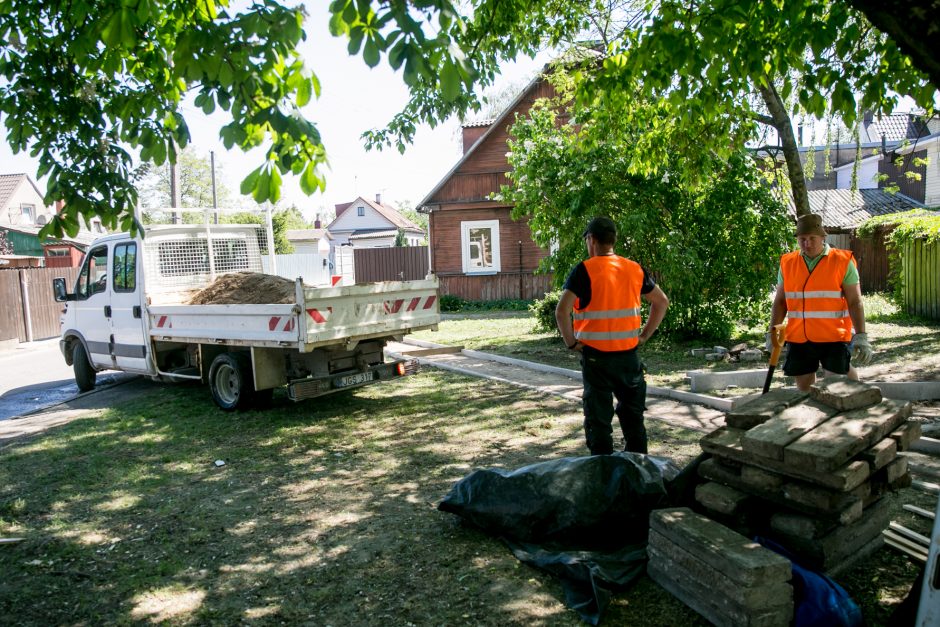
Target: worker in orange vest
(598, 315)
(819, 294)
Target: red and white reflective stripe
(281, 323)
(163, 322)
(394, 306)
(320, 316)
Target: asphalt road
(34, 375)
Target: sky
(354, 99)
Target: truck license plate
(353, 379)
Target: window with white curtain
(479, 245)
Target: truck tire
(230, 382)
(85, 375)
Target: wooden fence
(38, 318)
(399, 263)
(920, 264)
(505, 285)
(871, 256)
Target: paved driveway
(34, 375)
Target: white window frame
(361, 211)
(28, 210)
(465, 228)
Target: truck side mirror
(59, 291)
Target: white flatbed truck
(127, 312)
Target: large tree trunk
(913, 25)
(791, 151)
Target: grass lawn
(323, 512)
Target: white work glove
(862, 351)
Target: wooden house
(477, 250)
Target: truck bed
(319, 317)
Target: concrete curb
(721, 404)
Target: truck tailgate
(369, 310)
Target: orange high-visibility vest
(816, 307)
(611, 321)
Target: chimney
(316, 223)
(378, 199)
(472, 133)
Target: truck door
(128, 341)
(92, 306)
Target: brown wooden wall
(515, 285)
(484, 170)
(43, 310)
(871, 256)
(514, 257)
(400, 263)
(896, 174)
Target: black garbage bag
(583, 519)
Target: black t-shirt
(579, 282)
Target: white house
(21, 202)
(867, 173)
(309, 241)
(22, 205)
(364, 223)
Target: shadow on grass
(323, 512)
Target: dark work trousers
(607, 375)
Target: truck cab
(103, 321)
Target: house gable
(482, 169)
(21, 202)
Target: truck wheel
(230, 382)
(85, 375)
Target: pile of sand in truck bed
(246, 288)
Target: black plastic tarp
(583, 519)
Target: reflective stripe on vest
(815, 311)
(611, 321)
(614, 313)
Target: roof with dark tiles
(845, 209)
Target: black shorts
(806, 357)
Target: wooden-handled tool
(776, 343)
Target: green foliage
(544, 311)
(6, 248)
(449, 51)
(713, 247)
(87, 84)
(450, 304)
(908, 226)
(400, 238)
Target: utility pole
(175, 191)
(212, 167)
